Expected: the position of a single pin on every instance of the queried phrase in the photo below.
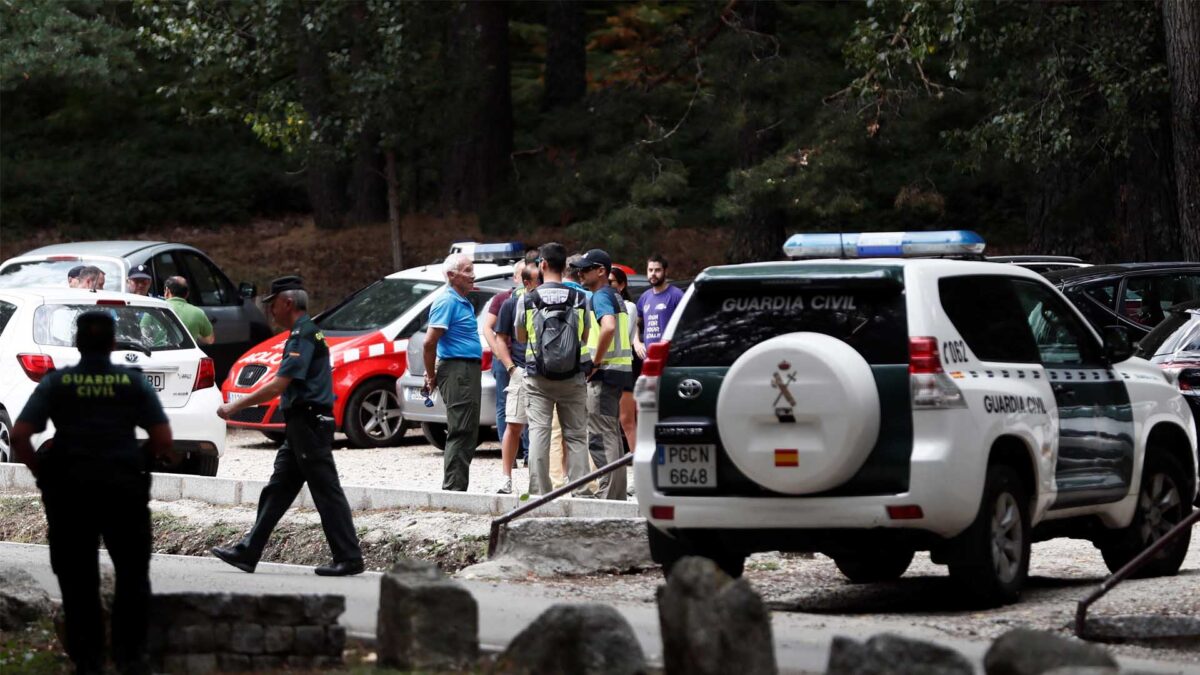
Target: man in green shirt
(176, 291)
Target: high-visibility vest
(619, 355)
(531, 298)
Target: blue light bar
(498, 252)
(884, 244)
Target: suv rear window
(377, 305)
(987, 313)
(722, 321)
(153, 328)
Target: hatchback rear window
(53, 272)
(377, 305)
(720, 323)
(153, 328)
(7, 309)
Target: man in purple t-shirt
(656, 305)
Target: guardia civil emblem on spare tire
(780, 380)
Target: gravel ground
(1062, 571)
(413, 465)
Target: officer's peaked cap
(291, 283)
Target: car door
(211, 291)
(1095, 419)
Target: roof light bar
(498, 252)
(884, 244)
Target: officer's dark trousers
(306, 456)
(81, 507)
(458, 380)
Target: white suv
(37, 335)
(870, 408)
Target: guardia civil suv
(869, 407)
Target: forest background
(708, 129)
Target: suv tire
(1160, 507)
(874, 567)
(6, 451)
(993, 562)
(371, 405)
(667, 551)
(202, 465)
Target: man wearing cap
(95, 484)
(612, 354)
(305, 388)
(139, 281)
(453, 364)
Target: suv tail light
(930, 386)
(206, 375)
(36, 365)
(645, 391)
(487, 360)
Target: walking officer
(306, 390)
(95, 483)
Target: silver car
(408, 387)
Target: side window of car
(209, 286)
(417, 324)
(7, 309)
(1060, 335)
(995, 329)
(1104, 293)
(1147, 298)
(165, 266)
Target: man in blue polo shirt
(453, 358)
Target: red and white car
(368, 350)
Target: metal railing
(1129, 568)
(494, 534)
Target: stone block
(577, 639)
(464, 502)
(309, 640)
(712, 624)
(278, 639)
(305, 662)
(222, 491)
(1031, 652)
(281, 610)
(200, 664)
(323, 609)
(426, 621)
(221, 636)
(335, 642)
(252, 491)
(304, 499)
(266, 662)
(600, 508)
(166, 487)
(175, 664)
(566, 546)
(234, 663)
(246, 638)
(198, 639)
(894, 654)
(387, 498)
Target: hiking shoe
(506, 488)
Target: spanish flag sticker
(787, 458)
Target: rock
(246, 638)
(278, 639)
(572, 546)
(281, 610)
(712, 624)
(323, 609)
(310, 640)
(1148, 627)
(577, 639)
(497, 569)
(22, 599)
(1030, 652)
(894, 655)
(426, 621)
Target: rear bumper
(412, 403)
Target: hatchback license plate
(157, 380)
(686, 466)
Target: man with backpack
(612, 352)
(555, 332)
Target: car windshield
(152, 328)
(377, 305)
(53, 272)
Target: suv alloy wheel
(1159, 508)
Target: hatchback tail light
(645, 390)
(930, 386)
(36, 365)
(487, 360)
(206, 375)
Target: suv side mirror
(1117, 345)
(247, 289)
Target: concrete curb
(169, 487)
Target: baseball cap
(140, 272)
(593, 258)
(289, 283)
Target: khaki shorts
(518, 399)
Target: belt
(311, 408)
(465, 359)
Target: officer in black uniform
(95, 482)
(306, 387)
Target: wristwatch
(510, 368)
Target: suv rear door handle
(1063, 391)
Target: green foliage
(63, 41)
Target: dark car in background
(1041, 264)
(237, 321)
(1134, 295)
(1174, 345)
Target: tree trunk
(393, 199)
(1181, 25)
(367, 188)
(322, 175)
(566, 55)
(760, 235)
(478, 161)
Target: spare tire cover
(799, 413)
